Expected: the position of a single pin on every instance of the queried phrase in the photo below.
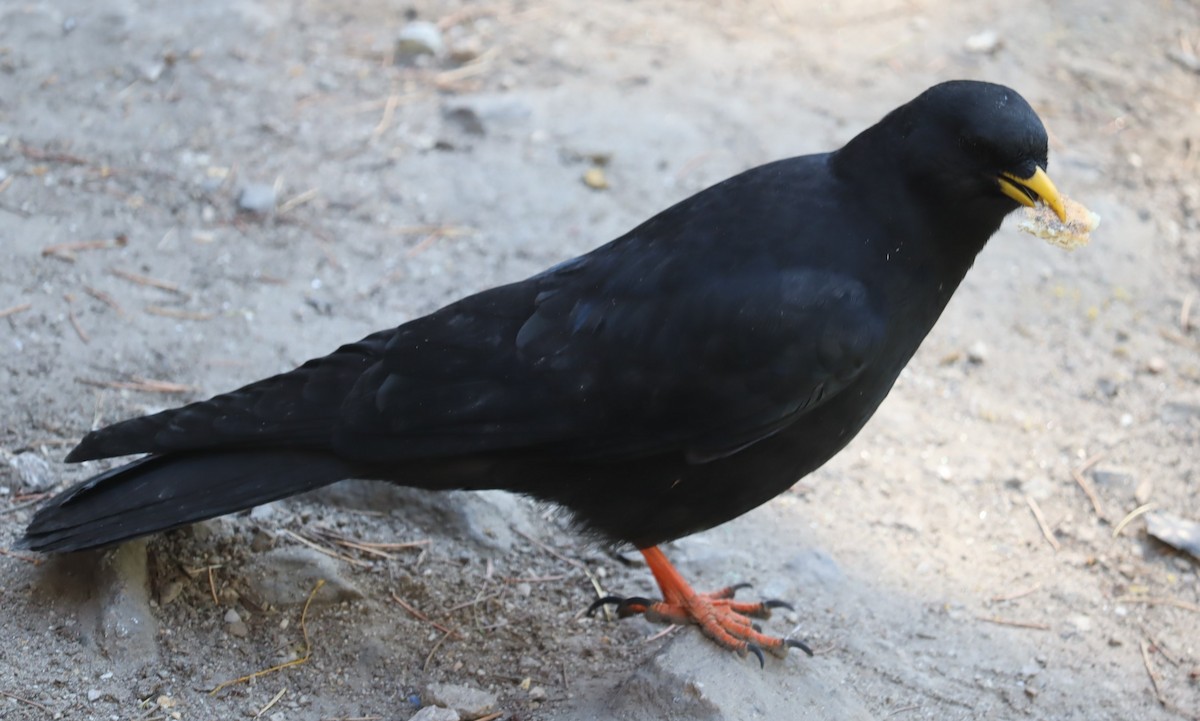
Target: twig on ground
(146, 280)
(665, 632)
(33, 560)
(1130, 518)
(104, 298)
(294, 662)
(51, 156)
(38, 498)
(389, 109)
(1155, 679)
(436, 646)
(177, 313)
(271, 703)
(67, 251)
(296, 201)
(321, 549)
(24, 700)
(15, 309)
(1041, 521)
(474, 602)
(1086, 486)
(140, 384)
(79, 331)
(1018, 624)
(1185, 314)
(1018, 594)
(212, 586)
(1158, 601)
(422, 617)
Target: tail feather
(165, 491)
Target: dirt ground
(131, 281)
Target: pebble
(235, 625)
(1179, 413)
(435, 713)
(33, 470)
(419, 38)
(595, 179)
(469, 703)
(286, 576)
(1156, 365)
(984, 43)
(93, 695)
(170, 592)
(977, 353)
(257, 198)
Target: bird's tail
(164, 491)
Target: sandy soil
(920, 573)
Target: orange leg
(718, 615)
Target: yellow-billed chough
(664, 383)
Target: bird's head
(973, 151)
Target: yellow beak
(1040, 185)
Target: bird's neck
(877, 164)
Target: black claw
(624, 605)
(793, 643)
(776, 603)
(739, 586)
(601, 602)
(756, 627)
(758, 653)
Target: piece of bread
(1072, 233)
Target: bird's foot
(719, 616)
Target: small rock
(465, 120)
(262, 541)
(257, 198)
(537, 693)
(237, 628)
(170, 591)
(435, 713)
(1082, 623)
(469, 703)
(93, 695)
(1156, 365)
(977, 353)
(1107, 387)
(419, 38)
(1115, 479)
(263, 512)
(1179, 533)
(984, 43)
(1179, 413)
(286, 576)
(1191, 61)
(691, 678)
(595, 179)
(153, 70)
(34, 471)
(1142, 493)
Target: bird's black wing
(611, 357)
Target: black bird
(662, 384)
